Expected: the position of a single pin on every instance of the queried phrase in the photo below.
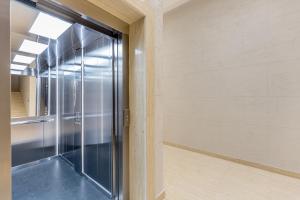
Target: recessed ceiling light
(17, 67)
(32, 47)
(49, 26)
(23, 59)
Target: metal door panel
(27, 143)
(70, 106)
(33, 138)
(95, 121)
(98, 108)
(50, 136)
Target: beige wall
(5, 160)
(231, 79)
(28, 90)
(146, 138)
(158, 103)
(172, 4)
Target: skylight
(17, 67)
(49, 26)
(33, 47)
(23, 59)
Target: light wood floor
(193, 176)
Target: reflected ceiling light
(49, 26)
(71, 68)
(33, 47)
(23, 59)
(97, 61)
(17, 67)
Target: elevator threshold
(52, 179)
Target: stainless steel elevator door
(86, 96)
(71, 121)
(98, 111)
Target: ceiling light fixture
(17, 67)
(33, 47)
(49, 26)
(23, 59)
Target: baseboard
(161, 196)
(238, 161)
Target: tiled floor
(53, 180)
(193, 176)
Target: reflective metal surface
(29, 120)
(122, 117)
(84, 86)
(70, 106)
(72, 16)
(32, 139)
(49, 137)
(82, 47)
(98, 111)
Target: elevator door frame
(120, 131)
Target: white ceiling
(22, 17)
(172, 4)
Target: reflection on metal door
(87, 104)
(98, 111)
(70, 80)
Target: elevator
(87, 104)
(81, 103)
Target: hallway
(193, 176)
